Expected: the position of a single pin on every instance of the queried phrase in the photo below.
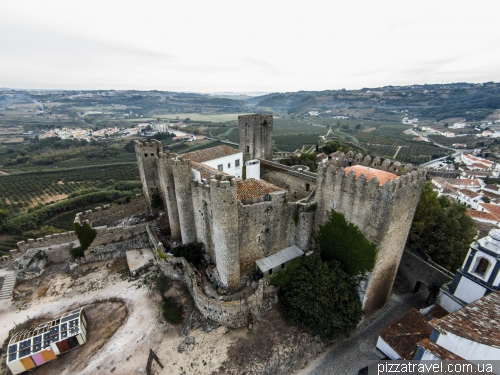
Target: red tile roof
(211, 153)
(403, 334)
(437, 312)
(492, 209)
(439, 351)
(481, 215)
(478, 321)
(469, 193)
(252, 188)
(383, 176)
(479, 166)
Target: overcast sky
(246, 46)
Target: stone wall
(416, 269)
(268, 227)
(232, 314)
(47, 241)
(111, 213)
(183, 179)
(299, 184)
(107, 235)
(116, 249)
(383, 213)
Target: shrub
(163, 283)
(86, 235)
(321, 297)
(171, 310)
(192, 252)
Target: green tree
(4, 214)
(86, 235)
(321, 297)
(441, 229)
(343, 241)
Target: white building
(224, 158)
(479, 275)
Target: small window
(307, 187)
(283, 266)
(220, 167)
(482, 265)
(145, 155)
(248, 149)
(152, 154)
(237, 163)
(271, 271)
(228, 165)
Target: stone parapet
(47, 241)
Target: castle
(245, 208)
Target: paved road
(354, 353)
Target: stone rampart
(47, 241)
(299, 184)
(107, 235)
(232, 314)
(416, 269)
(383, 213)
(111, 213)
(268, 227)
(116, 250)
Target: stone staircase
(9, 283)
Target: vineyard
(21, 191)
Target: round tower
(224, 206)
(168, 188)
(183, 178)
(256, 136)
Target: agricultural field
(22, 191)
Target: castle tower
(147, 154)
(225, 232)
(182, 179)
(167, 185)
(382, 206)
(256, 136)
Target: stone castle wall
(167, 187)
(383, 213)
(109, 214)
(298, 183)
(47, 241)
(232, 314)
(268, 227)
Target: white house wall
(447, 302)
(225, 160)
(469, 291)
(467, 349)
(386, 349)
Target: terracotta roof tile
(406, 332)
(437, 312)
(480, 215)
(211, 153)
(439, 351)
(492, 209)
(255, 188)
(492, 187)
(383, 176)
(469, 193)
(480, 166)
(478, 321)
